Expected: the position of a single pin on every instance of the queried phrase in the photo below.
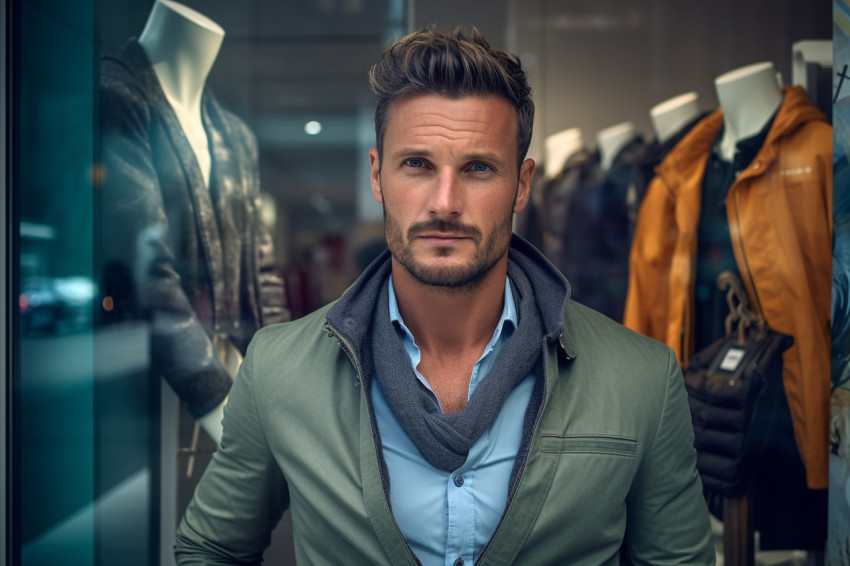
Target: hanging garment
(590, 216)
(563, 241)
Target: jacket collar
(351, 314)
(687, 160)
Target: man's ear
(375, 175)
(526, 174)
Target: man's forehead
(473, 113)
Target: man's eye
(414, 162)
(480, 167)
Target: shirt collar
(509, 313)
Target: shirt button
(459, 562)
(459, 482)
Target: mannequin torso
(559, 148)
(182, 46)
(749, 96)
(611, 140)
(670, 116)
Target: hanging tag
(732, 359)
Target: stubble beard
(450, 279)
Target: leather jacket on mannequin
(198, 260)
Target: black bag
(724, 382)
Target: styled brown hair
(452, 64)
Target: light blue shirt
(445, 516)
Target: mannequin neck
(559, 148)
(669, 117)
(611, 140)
(748, 96)
(182, 46)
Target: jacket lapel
(205, 220)
(374, 499)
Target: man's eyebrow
(412, 152)
(423, 152)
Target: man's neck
(451, 322)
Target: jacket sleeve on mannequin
(136, 235)
(668, 522)
(649, 263)
(273, 303)
(242, 494)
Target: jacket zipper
(349, 351)
(740, 237)
(515, 485)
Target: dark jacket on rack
(560, 196)
(780, 217)
(195, 260)
(589, 221)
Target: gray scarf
(445, 439)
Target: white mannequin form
(749, 96)
(559, 148)
(670, 116)
(182, 46)
(611, 140)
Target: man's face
(449, 185)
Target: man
(472, 413)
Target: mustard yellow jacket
(780, 219)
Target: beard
(488, 251)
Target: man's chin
(446, 274)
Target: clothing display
(558, 198)
(779, 211)
(198, 258)
(612, 431)
(590, 217)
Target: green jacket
(610, 467)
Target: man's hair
(453, 64)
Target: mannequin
(670, 116)
(559, 148)
(180, 210)
(182, 46)
(749, 96)
(611, 140)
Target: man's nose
(446, 199)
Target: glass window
(182, 174)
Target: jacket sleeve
(242, 493)
(274, 306)
(136, 241)
(649, 264)
(667, 515)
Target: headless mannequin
(559, 148)
(749, 96)
(611, 140)
(670, 116)
(182, 46)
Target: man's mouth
(442, 237)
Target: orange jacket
(780, 218)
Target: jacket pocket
(588, 444)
